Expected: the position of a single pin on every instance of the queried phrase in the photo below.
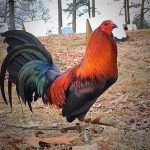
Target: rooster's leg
(83, 130)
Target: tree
(59, 16)
(77, 8)
(126, 7)
(89, 8)
(74, 16)
(145, 8)
(128, 12)
(139, 19)
(24, 10)
(27, 11)
(11, 4)
(125, 11)
(4, 10)
(93, 8)
(142, 11)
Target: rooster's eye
(105, 24)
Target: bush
(141, 25)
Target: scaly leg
(83, 129)
(84, 132)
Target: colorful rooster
(31, 68)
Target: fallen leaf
(39, 133)
(64, 139)
(14, 145)
(44, 145)
(104, 146)
(88, 120)
(98, 139)
(96, 120)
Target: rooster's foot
(81, 128)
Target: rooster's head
(107, 26)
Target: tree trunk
(5, 16)
(11, 15)
(93, 8)
(74, 17)
(89, 9)
(59, 16)
(125, 11)
(142, 12)
(128, 12)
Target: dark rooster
(32, 69)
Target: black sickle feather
(20, 37)
(12, 55)
(10, 91)
(29, 104)
(2, 79)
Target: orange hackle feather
(59, 87)
(100, 58)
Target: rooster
(32, 69)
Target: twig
(106, 124)
(53, 128)
(32, 128)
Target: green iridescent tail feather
(32, 79)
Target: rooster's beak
(115, 26)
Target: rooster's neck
(100, 58)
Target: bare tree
(145, 7)
(4, 10)
(11, 14)
(89, 8)
(125, 11)
(77, 8)
(32, 11)
(74, 16)
(128, 12)
(93, 8)
(139, 18)
(59, 16)
(15, 12)
(142, 11)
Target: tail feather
(32, 79)
(14, 60)
(16, 38)
(21, 59)
(27, 79)
(10, 91)
(29, 104)
(29, 66)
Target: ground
(119, 120)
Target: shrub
(141, 25)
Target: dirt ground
(119, 120)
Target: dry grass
(125, 106)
